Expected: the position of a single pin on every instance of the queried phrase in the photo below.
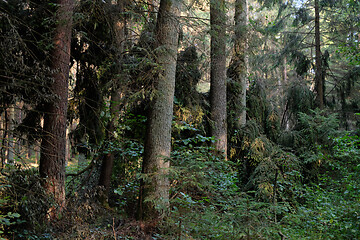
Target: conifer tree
(52, 160)
(218, 75)
(154, 192)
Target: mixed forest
(180, 119)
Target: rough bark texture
(239, 61)
(154, 193)
(108, 159)
(319, 84)
(218, 74)
(52, 160)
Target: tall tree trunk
(108, 159)
(154, 192)
(11, 141)
(218, 74)
(5, 145)
(52, 160)
(20, 143)
(319, 83)
(3, 126)
(239, 61)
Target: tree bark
(319, 83)
(239, 62)
(52, 159)
(218, 75)
(154, 192)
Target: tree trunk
(154, 192)
(319, 83)
(52, 160)
(11, 141)
(5, 146)
(2, 138)
(239, 61)
(218, 75)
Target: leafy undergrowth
(332, 205)
(207, 201)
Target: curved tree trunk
(218, 75)
(154, 192)
(52, 160)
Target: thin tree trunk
(10, 137)
(2, 138)
(154, 192)
(319, 84)
(218, 75)
(52, 160)
(5, 146)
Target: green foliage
(261, 111)
(317, 126)
(346, 148)
(262, 164)
(125, 176)
(299, 99)
(6, 218)
(133, 126)
(302, 17)
(311, 132)
(257, 104)
(204, 192)
(24, 195)
(310, 140)
(331, 205)
(187, 77)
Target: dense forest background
(169, 119)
